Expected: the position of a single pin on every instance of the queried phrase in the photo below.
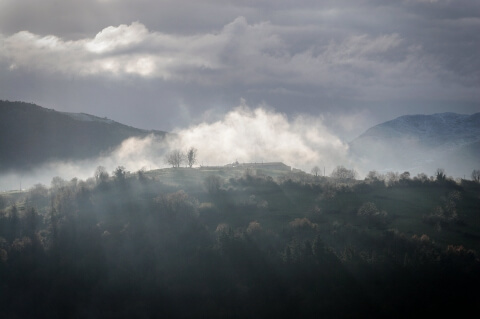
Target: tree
(341, 172)
(370, 212)
(191, 156)
(141, 174)
(367, 209)
(254, 228)
(440, 174)
(101, 175)
(38, 194)
(177, 205)
(374, 176)
(422, 177)
(174, 158)
(57, 183)
(120, 174)
(405, 176)
(31, 222)
(391, 178)
(315, 170)
(476, 175)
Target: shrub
(370, 212)
(303, 224)
(446, 213)
(177, 204)
(254, 227)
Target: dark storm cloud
(162, 64)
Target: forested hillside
(32, 135)
(189, 243)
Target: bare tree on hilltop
(174, 158)
(191, 156)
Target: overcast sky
(168, 64)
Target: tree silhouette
(476, 175)
(120, 175)
(174, 158)
(341, 172)
(191, 156)
(440, 174)
(101, 175)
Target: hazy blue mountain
(422, 143)
(31, 135)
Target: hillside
(229, 243)
(32, 135)
(421, 143)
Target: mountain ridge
(33, 135)
(421, 142)
(438, 124)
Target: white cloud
(115, 38)
(117, 51)
(258, 55)
(240, 52)
(256, 135)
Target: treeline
(130, 245)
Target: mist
(262, 134)
(255, 135)
(133, 154)
(244, 134)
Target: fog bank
(244, 134)
(263, 135)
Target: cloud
(115, 51)
(261, 135)
(115, 38)
(252, 55)
(240, 52)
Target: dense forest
(186, 242)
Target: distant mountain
(421, 143)
(31, 135)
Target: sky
(173, 64)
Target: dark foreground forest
(190, 243)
